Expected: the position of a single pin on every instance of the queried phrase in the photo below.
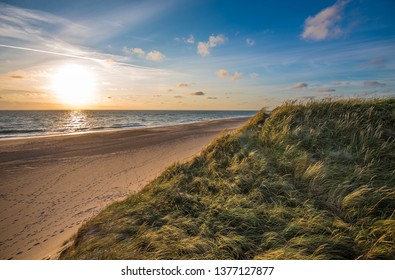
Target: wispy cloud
(325, 24)
(222, 73)
(378, 60)
(183, 85)
(210, 97)
(102, 59)
(373, 84)
(377, 63)
(237, 76)
(51, 52)
(250, 41)
(203, 48)
(190, 40)
(299, 85)
(254, 75)
(30, 26)
(42, 32)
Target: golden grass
(310, 181)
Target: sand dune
(49, 186)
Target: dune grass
(309, 181)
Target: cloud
(182, 85)
(213, 41)
(135, 51)
(254, 75)
(378, 63)
(198, 93)
(373, 84)
(99, 58)
(237, 76)
(17, 77)
(299, 85)
(40, 27)
(177, 96)
(211, 97)
(203, 48)
(222, 73)
(49, 34)
(155, 56)
(138, 52)
(126, 50)
(325, 24)
(109, 97)
(250, 41)
(190, 40)
(32, 26)
(378, 60)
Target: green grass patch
(311, 180)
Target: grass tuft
(311, 180)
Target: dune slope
(310, 181)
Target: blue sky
(196, 54)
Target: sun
(74, 85)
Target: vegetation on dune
(310, 181)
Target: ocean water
(17, 124)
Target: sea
(22, 124)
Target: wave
(20, 131)
(129, 125)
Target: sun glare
(74, 85)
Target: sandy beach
(50, 185)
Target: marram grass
(309, 181)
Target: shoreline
(51, 185)
(105, 130)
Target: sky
(193, 55)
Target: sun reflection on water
(77, 121)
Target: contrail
(75, 56)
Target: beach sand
(50, 185)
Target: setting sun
(74, 85)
